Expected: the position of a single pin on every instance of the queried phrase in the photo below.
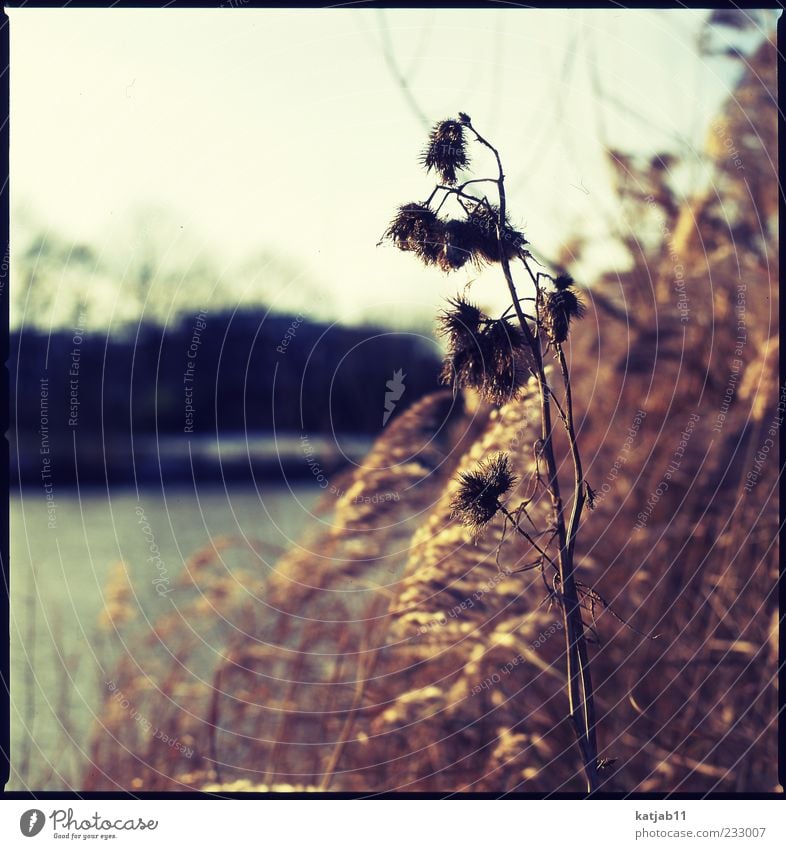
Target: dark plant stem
(580, 691)
(579, 496)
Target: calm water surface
(63, 552)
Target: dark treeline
(94, 401)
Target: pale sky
(285, 132)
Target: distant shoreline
(231, 457)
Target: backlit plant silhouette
(497, 358)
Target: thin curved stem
(580, 691)
(527, 536)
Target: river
(63, 549)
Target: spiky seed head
(416, 228)
(482, 234)
(460, 322)
(477, 501)
(563, 281)
(559, 309)
(503, 336)
(466, 360)
(453, 243)
(457, 248)
(475, 238)
(508, 362)
(462, 367)
(488, 355)
(446, 152)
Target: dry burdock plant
(399, 648)
(496, 358)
